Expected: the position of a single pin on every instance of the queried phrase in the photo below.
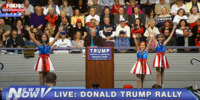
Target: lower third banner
(44, 92)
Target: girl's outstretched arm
(136, 43)
(154, 40)
(148, 45)
(29, 31)
(171, 34)
(56, 37)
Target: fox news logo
(28, 92)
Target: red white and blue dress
(44, 63)
(160, 58)
(141, 66)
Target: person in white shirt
(62, 42)
(55, 7)
(152, 28)
(123, 27)
(178, 5)
(28, 8)
(180, 15)
(92, 16)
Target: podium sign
(100, 67)
(99, 53)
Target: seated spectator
(162, 4)
(186, 41)
(192, 3)
(151, 28)
(77, 16)
(82, 8)
(123, 27)
(93, 40)
(51, 79)
(164, 13)
(92, 16)
(31, 42)
(90, 2)
(196, 29)
(120, 15)
(51, 5)
(93, 26)
(24, 18)
(197, 41)
(51, 17)
(5, 28)
(97, 7)
(147, 5)
(67, 8)
(79, 27)
(67, 27)
(137, 28)
(178, 5)
(28, 8)
(77, 42)
(106, 3)
(122, 41)
(15, 41)
(181, 26)
(63, 42)
(163, 17)
(151, 16)
(37, 19)
(167, 25)
(180, 15)
(193, 17)
(50, 28)
(135, 16)
(116, 6)
(130, 10)
(107, 31)
(172, 41)
(19, 27)
(106, 14)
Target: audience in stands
(76, 16)
(162, 4)
(79, 27)
(185, 40)
(124, 27)
(97, 7)
(103, 19)
(106, 14)
(120, 15)
(107, 30)
(93, 40)
(122, 41)
(51, 5)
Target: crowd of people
(102, 23)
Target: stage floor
(70, 70)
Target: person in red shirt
(137, 27)
(197, 39)
(116, 6)
(51, 18)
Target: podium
(100, 67)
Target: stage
(70, 70)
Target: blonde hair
(50, 30)
(151, 20)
